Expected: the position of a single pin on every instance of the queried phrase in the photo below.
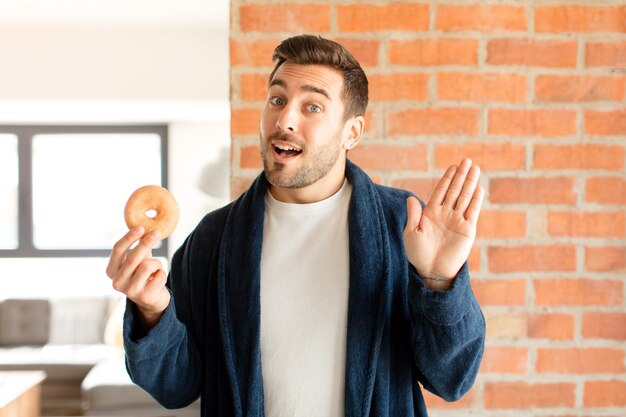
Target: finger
(142, 251)
(413, 214)
(134, 284)
(134, 259)
(472, 212)
(155, 284)
(457, 183)
(437, 197)
(120, 249)
(471, 181)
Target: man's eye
(314, 108)
(277, 101)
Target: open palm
(438, 239)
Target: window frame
(25, 133)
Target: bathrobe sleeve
(448, 335)
(164, 362)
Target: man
(317, 292)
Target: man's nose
(287, 119)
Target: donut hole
(151, 213)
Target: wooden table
(20, 393)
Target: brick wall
(534, 92)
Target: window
(8, 191)
(64, 188)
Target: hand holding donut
(136, 273)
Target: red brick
(421, 187)
(249, 157)
(391, 16)
(374, 122)
(600, 325)
(482, 18)
(580, 360)
(522, 395)
(551, 190)
(434, 402)
(501, 224)
(504, 359)
(482, 88)
(505, 292)
(606, 190)
(390, 157)
(433, 52)
(554, 19)
(532, 258)
(587, 224)
(284, 17)
(238, 185)
(253, 87)
(532, 52)
(605, 394)
(612, 122)
(577, 292)
(579, 88)
(581, 156)
(398, 86)
(252, 53)
(606, 54)
(442, 121)
(553, 326)
(245, 121)
(506, 325)
(364, 50)
(473, 261)
(489, 156)
(545, 122)
(605, 259)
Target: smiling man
(317, 292)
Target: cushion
(78, 320)
(24, 322)
(108, 388)
(108, 385)
(113, 335)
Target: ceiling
(212, 14)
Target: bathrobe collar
(240, 302)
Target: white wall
(76, 62)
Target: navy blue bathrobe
(400, 333)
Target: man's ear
(355, 128)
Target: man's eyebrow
(317, 90)
(306, 87)
(278, 82)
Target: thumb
(413, 214)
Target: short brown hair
(315, 50)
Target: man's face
(302, 130)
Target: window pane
(81, 183)
(8, 191)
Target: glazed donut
(147, 198)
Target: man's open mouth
(285, 151)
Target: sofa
(76, 341)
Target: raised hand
(438, 239)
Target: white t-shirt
(304, 306)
